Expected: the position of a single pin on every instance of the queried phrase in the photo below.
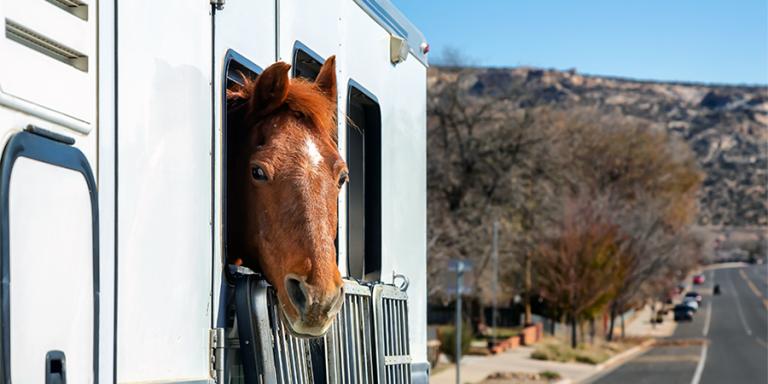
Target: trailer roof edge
(389, 17)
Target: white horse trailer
(113, 197)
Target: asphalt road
(727, 342)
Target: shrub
(549, 375)
(540, 355)
(553, 351)
(593, 357)
(448, 340)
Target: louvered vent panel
(52, 73)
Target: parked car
(694, 295)
(698, 279)
(683, 313)
(691, 303)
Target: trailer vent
(293, 361)
(42, 44)
(349, 343)
(74, 7)
(390, 311)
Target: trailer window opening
(237, 68)
(364, 188)
(306, 63)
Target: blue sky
(712, 41)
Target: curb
(629, 353)
(605, 368)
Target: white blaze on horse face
(312, 152)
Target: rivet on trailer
(117, 232)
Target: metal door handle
(55, 368)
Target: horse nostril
(296, 294)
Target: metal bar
(495, 288)
(457, 330)
(355, 340)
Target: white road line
(700, 366)
(738, 306)
(707, 320)
(705, 331)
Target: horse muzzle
(315, 309)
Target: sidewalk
(476, 368)
(641, 325)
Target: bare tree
(486, 162)
(576, 269)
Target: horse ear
(271, 89)
(326, 79)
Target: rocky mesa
(726, 126)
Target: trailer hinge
(219, 4)
(218, 343)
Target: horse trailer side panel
(106, 181)
(164, 264)
(401, 93)
(404, 210)
(313, 24)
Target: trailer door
(50, 261)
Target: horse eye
(343, 179)
(258, 174)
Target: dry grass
(522, 378)
(555, 349)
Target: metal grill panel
(349, 343)
(368, 343)
(293, 362)
(390, 310)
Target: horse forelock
(304, 97)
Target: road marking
(750, 284)
(700, 366)
(738, 306)
(705, 331)
(666, 359)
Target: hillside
(726, 126)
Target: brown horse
(284, 178)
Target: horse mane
(304, 97)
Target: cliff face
(726, 126)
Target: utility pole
(495, 314)
(459, 283)
(460, 266)
(528, 285)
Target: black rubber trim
(41, 148)
(298, 46)
(250, 342)
(354, 85)
(50, 135)
(231, 59)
